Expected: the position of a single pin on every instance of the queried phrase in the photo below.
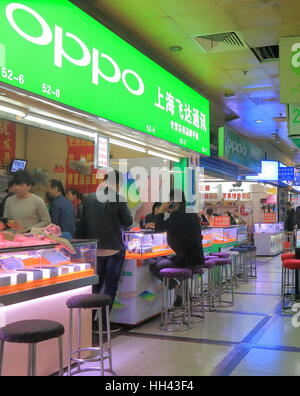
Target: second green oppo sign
(53, 49)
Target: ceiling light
(259, 121)
(161, 155)
(129, 139)
(58, 106)
(161, 149)
(58, 125)
(13, 111)
(127, 145)
(176, 48)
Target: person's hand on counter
(15, 225)
(2, 226)
(150, 226)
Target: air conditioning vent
(265, 54)
(221, 42)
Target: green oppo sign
(290, 70)
(53, 49)
(236, 149)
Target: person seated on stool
(150, 218)
(183, 236)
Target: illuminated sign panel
(54, 49)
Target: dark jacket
(2, 204)
(150, 218)
(289, 221)
(184, 237)
(62, 214)
(105, 222)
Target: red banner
(7, 141)
(81, 174)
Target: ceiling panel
(255, 17)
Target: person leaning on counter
(24, 210)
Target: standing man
(24, 207)
(10, 192)
(105, 217)
(61, 209)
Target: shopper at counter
(183, 235)
(232, 219)
(106, 221)
(61, 209)
(77, 200)
(290, 218)
(150, 218)
(24, 207)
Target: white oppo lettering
(236, 147)
(60, 53)
(296, 56)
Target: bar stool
(197, 293)
(91, 302)
(243, 263)
(169, 319)
(288, 287)
(210, 265)
(234, 257)
(252, 269)
(32, 332)
(225, 282)
(221, 255)
(288, 256)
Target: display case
(207, 235)
(37, 277)
(268, 238)
(222, 236)
(267, 228)
(242, 234)
(28, 264)
(142, 245)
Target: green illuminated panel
(53, 49)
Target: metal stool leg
(61, 356)
(1, 356)
(70, 344)
(101, 340)
(79, 339)
(32, 360)
(109, 347)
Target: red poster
(81, 174)
(7, 141)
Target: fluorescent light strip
(10, 110)
(161, 155)
(130, 146)
(58, 125)
(59, 107)
(162, 149)
(129, 139)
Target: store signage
(286, 174)
(270, 218)
(269, 172)
(290, 70)
(231, 193)
(101, 152)
(235, 148)
(55, 50)
(293, 111)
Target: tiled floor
(253, 338)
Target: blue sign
(286, 174)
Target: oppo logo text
(296, 55)
(236, 147)
(94, 56)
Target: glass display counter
(37, 277)
(139, 292)
(242, 234)
(221, 237)
(268, 238)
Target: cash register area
(251, 338)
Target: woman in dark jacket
(183, 235)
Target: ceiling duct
(221, 42)
(266, 54)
